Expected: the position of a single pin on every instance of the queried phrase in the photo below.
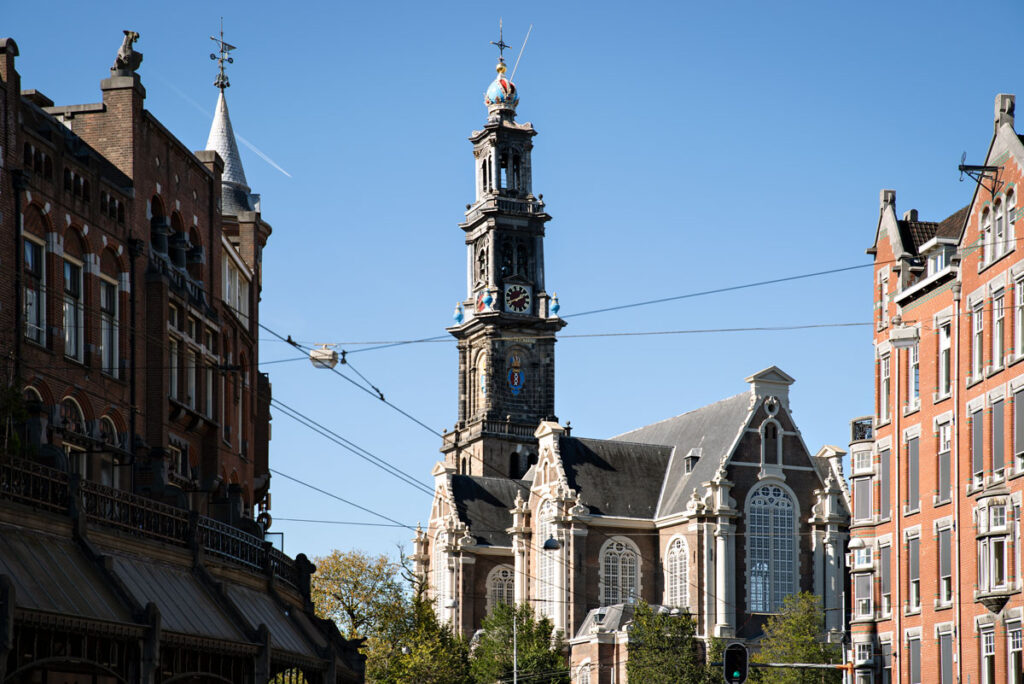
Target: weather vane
(501, 45)
(224, 49)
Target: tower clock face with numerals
(517, 298)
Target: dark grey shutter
(912, 552)
(915, 661)
(862, 586)
(884, 560)
(998, 447)
(945, 551)
(977, 443)
(913, 498)
(944, 466)
(1018, 422)
(886, 661)
(862, 499)
(883, 482)
(945, 658)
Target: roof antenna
(516, 65)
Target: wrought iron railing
(133, 514)
(34, 484)
(230, 543)
(50, 489)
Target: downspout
(954, 361)
(19, 181)
(135, 248)
(894, 353)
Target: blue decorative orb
(501, 91)
(555, 306)
(458, 316)
(488, 300)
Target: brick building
(134, 477)
(936, 489)
(721, 511)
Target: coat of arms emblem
(515, 374)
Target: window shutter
(977, 442)
(883, 478)
(915, 661)
(944, 476)
(945, 566)
(863, 586)
(912, 474)
(1018, 422)
(997, 435)
(885, 554)
(912, 550)
(946, 658)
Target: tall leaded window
(771, 533)
(677, 569)
(546, 559)
(439, 566)
(73, 346)
(620, 572)
(501, 587)
(35, 293)
(108, 327)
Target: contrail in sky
(207, 114)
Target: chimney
(1004, 109)
(910, 215)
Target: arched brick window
(500, 587)
(620, 572)
(677, 572)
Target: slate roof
(615, 477)
(483, 503)
(235, 189)
(712, 429)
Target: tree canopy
(796, 635)
(664, 648)
(539, 656)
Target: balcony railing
(50, 489)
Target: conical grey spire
(235, 190)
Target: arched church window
(500, 587)
(620, 572)
(545, 594)
(583, 674)
(481, 263)
(442, 578)
(523, 256)
(677, 569)
(771, 546)
(507, 258)
(517, 172)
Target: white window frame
(35, 285)
(771, 542)
(110, 326)
(945, 360)
(546, 593)
(172, 356)
(677, 566)
(884, 388)
(914, 583)
(1014, 652)
(914, 377)
(988, 654)
(986, 236)
(863, 602)
(501, 587)
(998, 328)
(977, 340)
(73, 316)
(859, 485)
(619, 567)
(441, 577)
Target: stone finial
(887, 198)
(1004, 109)
(127, 60)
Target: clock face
(517, 298)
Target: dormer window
(691, 460)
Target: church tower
(506, 326)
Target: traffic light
(735, 662)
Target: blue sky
(682, 147)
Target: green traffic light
(736, 673)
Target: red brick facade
(936, 489)
(120, 281)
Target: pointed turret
(236, 194)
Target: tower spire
(236, 196)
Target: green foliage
(796, 635)
(540, 657)
(431, 653)
(379, 599)
(664, 648)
